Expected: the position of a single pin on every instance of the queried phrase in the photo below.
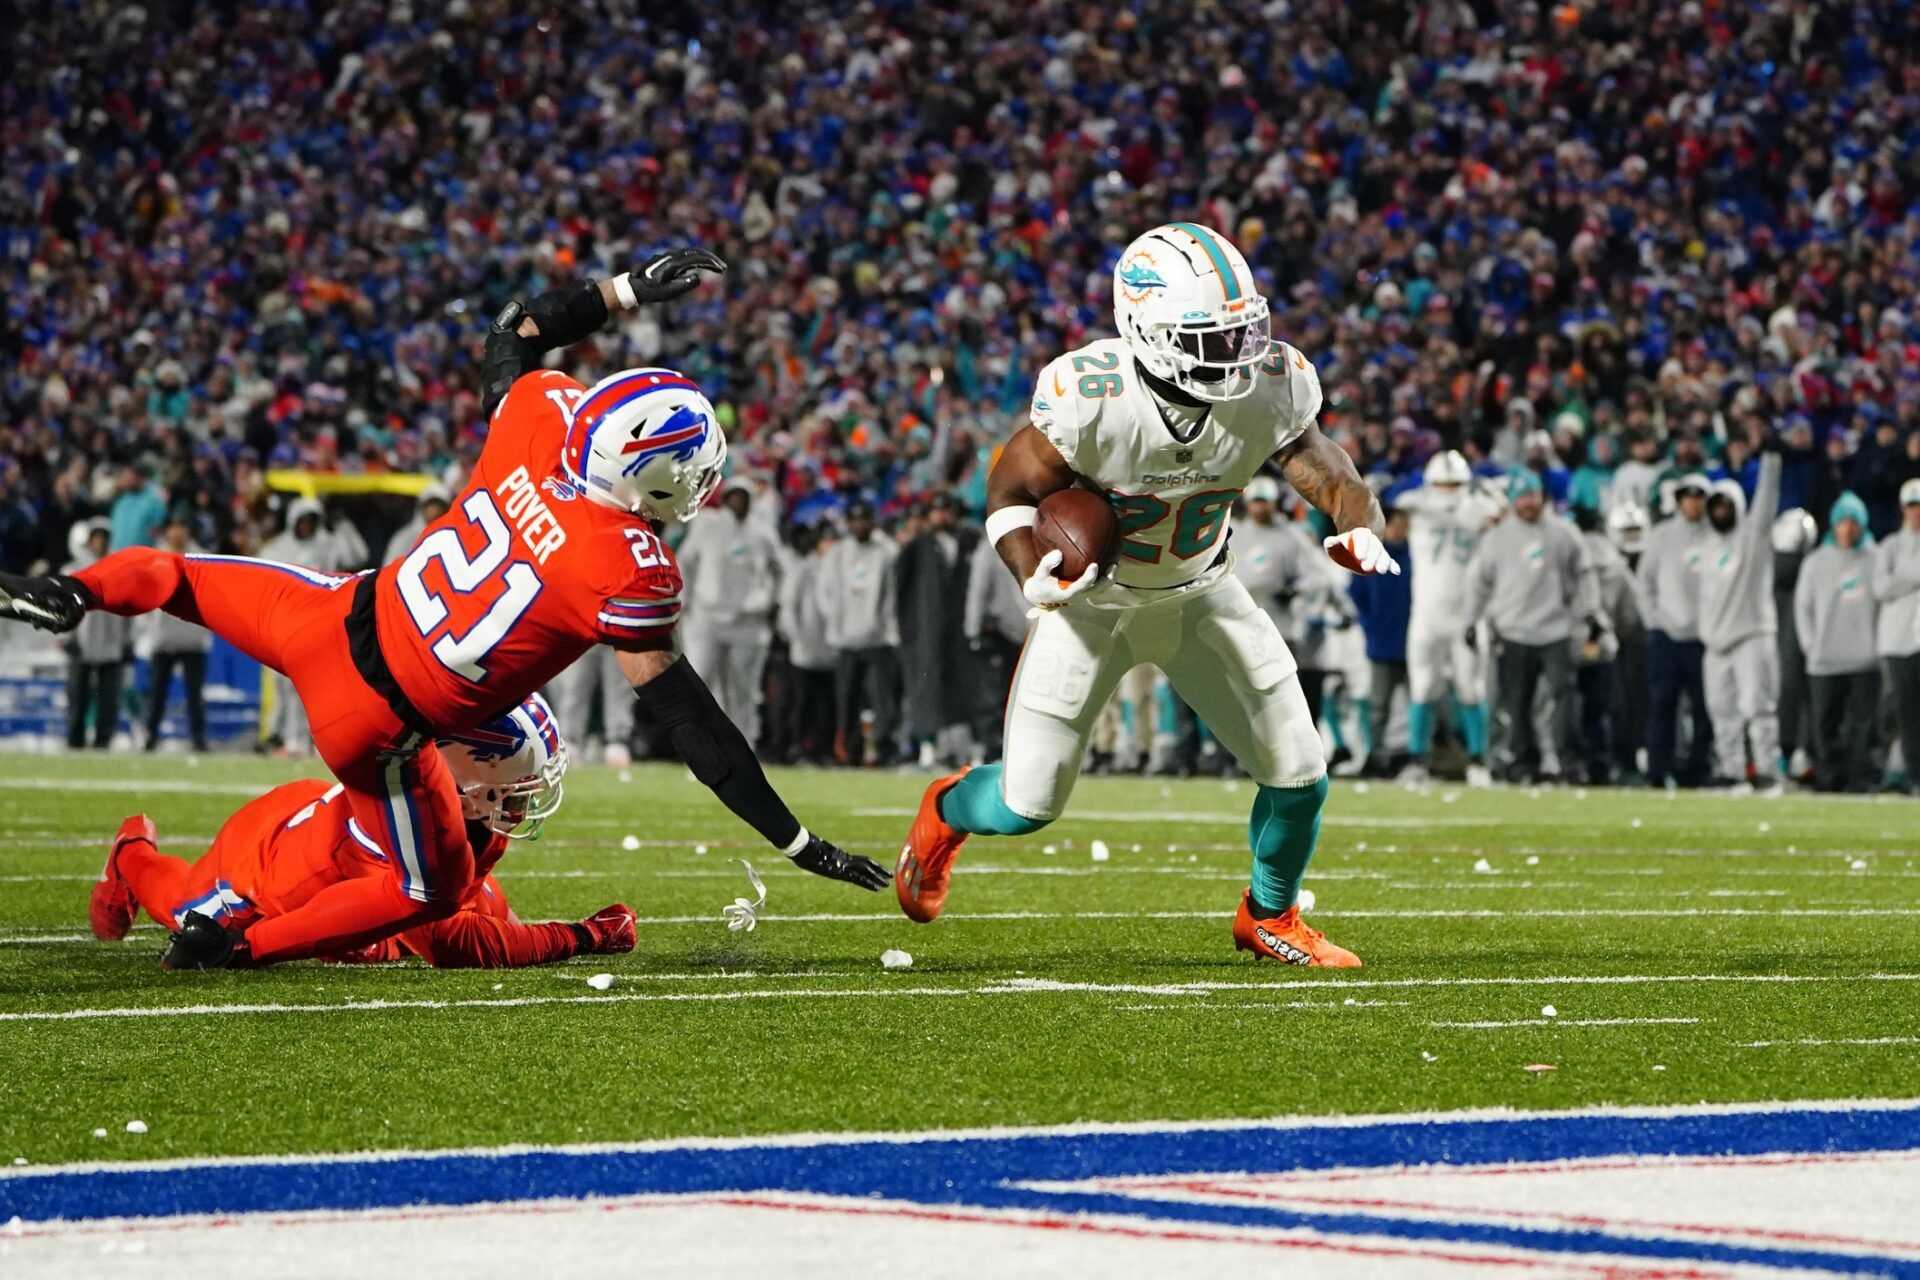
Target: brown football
(1079, 525)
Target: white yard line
(1815, 1042)
(1566, 1022)
(1007, 987)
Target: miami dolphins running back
(1170, 420)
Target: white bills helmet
(508, 769)
(1449, 467)
(646, 441)
(1185, 301)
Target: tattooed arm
(1322, 473)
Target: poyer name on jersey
(521, 501)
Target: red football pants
(294, 620)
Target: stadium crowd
(1609, 246)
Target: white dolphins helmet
(1794, 532)
(647, 442)
(1449, 467)
(508, 769)
(1185, 301)
(1627, 528)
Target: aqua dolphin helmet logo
(1140, 277)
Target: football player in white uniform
(1170, 420)
(1447, 515)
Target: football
(1078, 524)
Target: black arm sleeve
(716, 751)
(564, 316)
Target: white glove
(1360, 551)
(1046, 592)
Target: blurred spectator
(97, 654)
(1383, 603)
(138, 509)
(594, 682)
(731, 566)
(1669, 572)
(1737, 623)
(996, 626)
(1613, 594)
(1834, 606)
(1794, 537)
(936, 709)
(1896, 588)
(1627, 530)
(1528, 581)
(1290, 578)
(307, 543)
(433, 504)
(177, 645)
(810, 710)
(857, 594)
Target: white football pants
(1438, 659)
(1221, 653)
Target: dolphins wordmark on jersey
(1172, 472)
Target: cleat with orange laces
(1287, 938)
(112, 908)
(925, 868)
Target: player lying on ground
(550, 550)
(1169, 420)
(281, 849)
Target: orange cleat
(921, 876)
(112, 908)
(1287, 938)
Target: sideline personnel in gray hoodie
(1896, 586)
(1833, 607)
(1528, 580)
(1737, 625)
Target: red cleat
(112, 907)
(925, 868)
(612, 930)
(1287, 938)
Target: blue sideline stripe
(982, 1172)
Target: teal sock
(1473, 727)
(1336, 706)
(974, 805)
(1283, 830)
(1419, 729)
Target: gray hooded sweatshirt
(1669, 577)
(1896, 585)
(1736, 568)
(1529, 579)
(1833, 609)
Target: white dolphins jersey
(1442, 532)
(1171, 472)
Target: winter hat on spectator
(1910, 492)
(1849, 507)
(1692, 482)
(1523, 482)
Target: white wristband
(623, 290)
(800, 843)
(1004, 521)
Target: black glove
(671, 274)
(1596, 629)
(825, 858)
(1769, 442)
(201, 943)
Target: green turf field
(1733, 942)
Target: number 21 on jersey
(484, 578)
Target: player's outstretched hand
(668, 276)
(1046, 592)
(825, 858)
(201, 943)
(1360, 551)
(610, 930)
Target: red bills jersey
(522, 575)
(279, 850)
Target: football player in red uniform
(549, 550)
(281, 849)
